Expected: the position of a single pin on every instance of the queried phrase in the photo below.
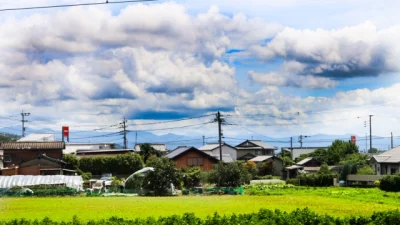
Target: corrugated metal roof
(304, 161)
(226, 158)
(32, 145)
(261, 158)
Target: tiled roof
(32, 145)
(182, 150)
(391, 156)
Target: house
(185, 157)
(297, 152)
(17, 153)
(81, 153)
(159, 147)
(71, 148)
(213, 149)
(38, 137)
(307, 165)
(276, 163)
(386, 163)
(39, 165)
(252, 148)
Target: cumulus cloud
(351, 51)
(291, 80)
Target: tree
(354, 159)
(324, 170)
(7, 137)
(160, 180)
(365, 170)
(373, 150)
(229, 175)
(251, 167)
(353, 169)
(121, 164)
(345, 171)
(72, 161)
(146, 150)
(287, 161)
(191, 177)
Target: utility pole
(366, 143)
(204, 140)
(219, 120)
(391, 140)
(124, 127)
(135, 138)
(370, 133)
(23, 122)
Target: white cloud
(291, 80)
(350, 51)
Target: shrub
(229, 175)
(293, 181)
(366, 170)
(191, 177)
(316, 180)
(390, 183)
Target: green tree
(345, 171)
(121, 164)
(373, 150)
(146, 150)
(287, 161)
(324, 170)
(159, 181)
(229, 175)
(191, 177)
(72, 161)
(365, 170)
(353, 169)
(7, 137)
(354, 159)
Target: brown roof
(32, 145)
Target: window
(7, 158)
(194, 161)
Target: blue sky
(168, 60)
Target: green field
(332, 201)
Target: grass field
(86, 208)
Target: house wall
(226, 150)
(20, 155)
(241, 153)
(181, 161)
(278, 167)
(9, 172)
(386, 168)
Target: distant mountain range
(172, 140)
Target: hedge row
(121, 164)
(277, 217)
(317, 180)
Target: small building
(297, 152)
(71, 148)
(159, 147)
(105, 152)
(40, 165)
(252, 148)
(276, 162)
(185, 157)
(17, 152)
(307, 165)
(213, 149)
(386, 163)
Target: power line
(170, 121)
(104, 135)
(170, 128)
(74, 5)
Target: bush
(390, 183)
(366, 170)
(191, 177)
(292, 181)
(317, 180)
(230, 175)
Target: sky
(273, 68)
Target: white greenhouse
(7, 182)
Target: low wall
(365, 178)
